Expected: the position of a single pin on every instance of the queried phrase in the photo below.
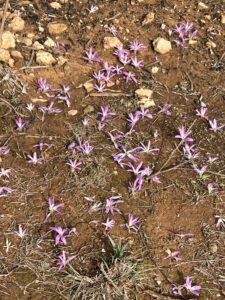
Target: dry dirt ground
(183, 203)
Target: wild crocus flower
(5, 172)
(156, 179)
(194, 289)
(20, 124)
(91, 56)
(202, 112)
(118, 157)
(110, 205)
(201, 170)
(165, 109)
(99, 76)
(132, 223)
(138, 170)
(135, 46)
(214, 126)
(212, 159)
(34, 159)
(133, 119)
(117, 70)
(144, 113)
(120, 51)
(85, 147)
(211, 188)
(72, 147)
(177, 290)
(114, 138)
(107, 67)
(64, 260)
(30, 107)
(109, 224)
(49, 109)
(136, 63)
(146, 171)
(60, 45)
(85, 121)
(184, 135)
(130, 76)
(74, 164)
(155, 133)
(42, 85)
(147, 148)
(92, 9)
(190, 152)
(136, 186)
(21, 232)
(61, 234)
(124, 59)
(4, 150)
(64, 94)
(173, 255)
(101, 125)
(95, 207)
(108, 76)
(41, 145)
(100, 87)
(5, 190)
(112, 29)
(53, 208)
(127, 153)
(105, 113)
(220, 224)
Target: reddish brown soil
(180, 204)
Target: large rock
(38, 46)
(16, 54)
(8, 40)
(146, 103)
(111, 42)
(55, 5)
(56, 28)
(202, 6)
(45, 58)
(4, 56)
(89, 86)
(72, 112)
(146, 93)
(161, 45)
(17, 24)
(144, 96)
(49, 43)
(62, 60)
(25, 40)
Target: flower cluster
(186, 287)
(5, 174)
(109, 207)
(104, 76)
(61, 234)
(185, 33)
(61, 94)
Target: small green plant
(118, 248)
